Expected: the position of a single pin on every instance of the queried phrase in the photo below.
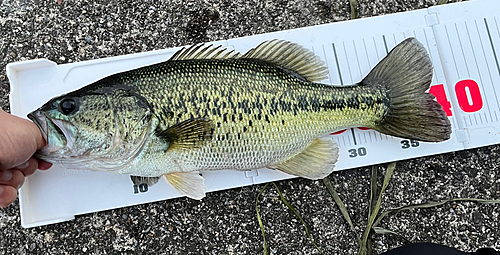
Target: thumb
(36, 134)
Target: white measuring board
(469, 36)
(462, 40)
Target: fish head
(94, 131)
(72, 124)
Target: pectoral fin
(190, 184)
(150, 181)
(316, 162)
(188, 134)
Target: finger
(12, 177)
(7, 195)
(44, 165)
(29, 167)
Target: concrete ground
(225, 222)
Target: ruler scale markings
(366, 53)
(385, 44)
(492, 43)
(357, 59)
(486, 62)
(496, 117)
(345, 143)
(462, 50)
(326, 61)
(347, 62)
(353, 136)
(376, 49)
(475, 118)
(336, 140)
(369, 54)
(451, 49)
(478, 70)
(398, 38)
(383, 136)
(434, 76)
(485, 117)
(338, 66)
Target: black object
(436, 249)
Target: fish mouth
(52, 131)
(41, 121)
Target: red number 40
(468, 103)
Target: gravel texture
(225, 222)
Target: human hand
(19, 140)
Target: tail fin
(414, 114)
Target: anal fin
(315, 162)
(190, 184)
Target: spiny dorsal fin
(201, 51)
(188, 134)
(315, 162)
(290, 56)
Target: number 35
(406, 144)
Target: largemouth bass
(208, 108)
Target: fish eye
(68, 106)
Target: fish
(208, 108)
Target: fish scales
(270, 113)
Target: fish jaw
(57, 134)
(41, 121)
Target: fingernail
(23, 166)
(6, 175)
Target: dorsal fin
(201, 51)
(285, 54)
(290, 56)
